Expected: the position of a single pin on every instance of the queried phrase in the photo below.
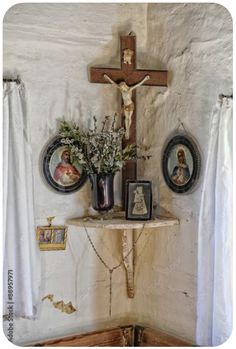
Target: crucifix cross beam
(127, 78)
(128, 71)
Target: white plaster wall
(51, 47)
(194, 43)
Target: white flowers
(98, 152)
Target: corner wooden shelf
(117, 221)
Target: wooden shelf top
(118, 221)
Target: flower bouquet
(100, 153)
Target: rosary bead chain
(115, 267)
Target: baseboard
(120, 336)
(147, 337)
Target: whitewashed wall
(51, 47)
(194, 43)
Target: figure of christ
(65, 173)
(128, 105)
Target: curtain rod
(17, 80)
(225, 96)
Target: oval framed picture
(181, 163)
(60, 173)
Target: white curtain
(214, 305)
(21, 265)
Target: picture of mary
(140, 207)
(138, 200)
(181, 163)
(181, 173)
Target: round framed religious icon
(181, 163)
(60, 173)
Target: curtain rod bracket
(17, 80)
(225, 96)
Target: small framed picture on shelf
(51, 238)
(138, 200)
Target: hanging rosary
(116, 266)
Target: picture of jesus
(61, 172)
(65, 173)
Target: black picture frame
(181, 163)
(62, 179)
(138, 204)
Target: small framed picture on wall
(60, 173)
(52, 238)
(181, 163)
(138, 200)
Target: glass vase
(102, 188)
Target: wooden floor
(123, 336)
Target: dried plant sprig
(98, 151)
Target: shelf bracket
(127, 245)
(128, 227)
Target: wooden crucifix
(127, 79)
